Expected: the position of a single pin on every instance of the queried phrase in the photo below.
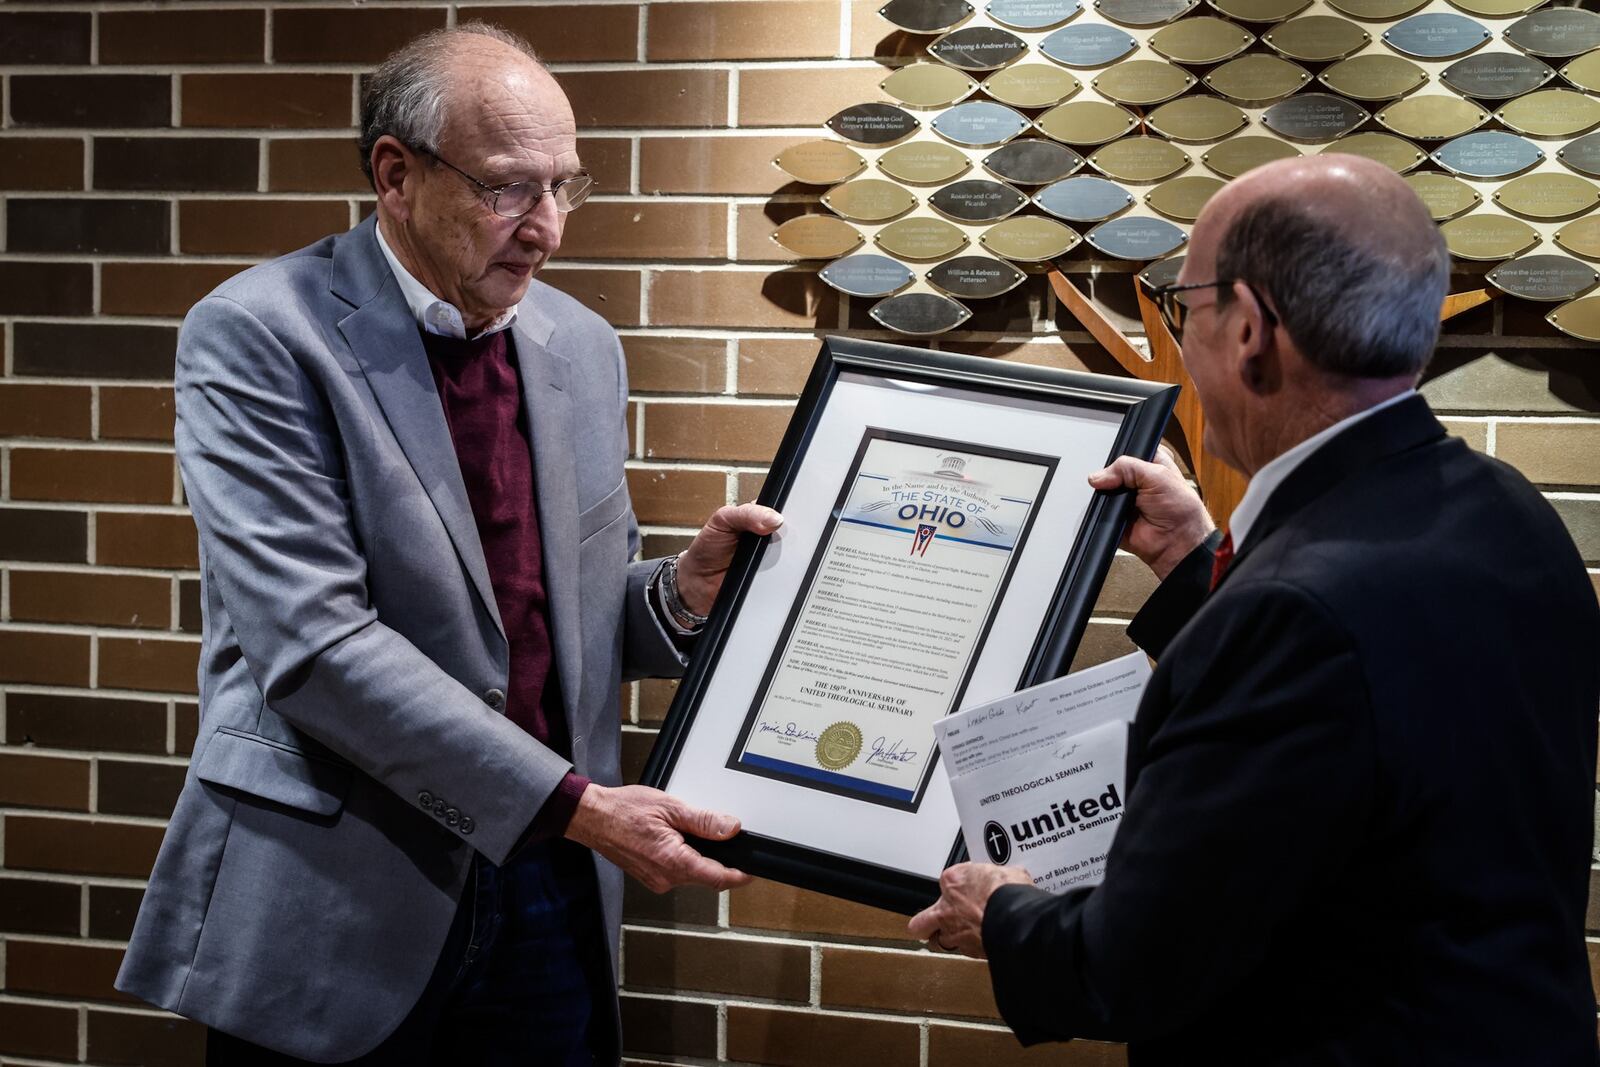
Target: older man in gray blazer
(401, 834)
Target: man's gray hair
(1360, 309)
(406, 96)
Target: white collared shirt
(1269, 477)
(432, 314)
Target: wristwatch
(686, 620)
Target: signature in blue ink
(786, 729)
(891, 752)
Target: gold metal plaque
(1580, 319)
(869, 200)
(1551, 113)
(1182, 198)
(819, 162)
(1432, 117)
(1548, 195)
(1584, 72)
(1445, 197)
(1488, 237)
(1376, 10)
(1317, 38)
(919, 237)
(1237, 155)
(1497, 9)
(1374, 76)
(1031, 85)
(818, 237)
(1257, 80)
(1201, 40)
(928, 85)
(1086, 122)
(924, 162)
(1139, 159)
(1581, 238)
(1142, 82)
(1396, 153)
(1029, 239)
(1196, 119)
(1260, 10)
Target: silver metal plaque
(867, 275)
(1314, 117)
(1162, 272)
(977, 200)
(974, 277)
(1550, 278)
(1582, 155)
(873, 123)
(1032, 14)
(1144, 12)
(919, 314)
(1136, 238)
(926, 16)
(1033, 161)
(1087, 45)
(1496, 75)
(1435, 35)
(979, 124)
(1084, 199)
(1489, 155)
(1556, 31)
(978, 48)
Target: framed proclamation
(941, 547)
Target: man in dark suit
(1360, 783)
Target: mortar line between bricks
(89, 881)
(91, 630)
(86, 817)
(68, 940)
(89, 753)
(80, 445)
(97, 505)
(350, 69)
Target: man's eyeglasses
(1173, 302)
(516, 199)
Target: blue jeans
(523, 980)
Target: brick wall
(147, 153)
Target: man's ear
(394, 175)
(1259, 359)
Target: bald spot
(500, 94)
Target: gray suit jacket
(352, 752)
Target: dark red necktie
(1219, 565)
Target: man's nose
(542, 224)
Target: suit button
(495, 698)
(467, 824)
(451, 816)
(425, 798)
(439, 808)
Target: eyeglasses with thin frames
(1173, 302)
(515, 199)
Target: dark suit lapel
(1400, 428)
(383, 337)
(548, 408)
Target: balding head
(1345, 253)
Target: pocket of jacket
(602, 514)
(274, 772)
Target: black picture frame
(1144, 408)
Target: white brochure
(1038, 775)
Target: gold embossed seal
(839, 745)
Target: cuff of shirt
(552, 820)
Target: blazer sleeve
(1253, 789)
(262, 468)
(1175, 600)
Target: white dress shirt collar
(1269, 477)
(432, 314)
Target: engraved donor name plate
(1144, 12)
(919, 314)
(869, 200)
(1201, 40)
(1260, 10)
(1550, 278)
(1497, 9)
(1031, 85)
(1084, 199)
(1582, 155)
(1556, 31)
(979, 124)
(1396, 153)
(1087, 45)
(1435, 35)
(1182, 198)
(1581, 237)
(928, 85)
(974, 277)
(1584, 72)
(1029, 239)
(923, 162)
(1237, 155)
(1139, 159)
(873, 124)
(1376, 10)
(1032, 14)
(920, 238)
(1374, 76)
(1162, 272)
(1257, 80)
(867, 275)
(1086, 122)
(819, 162)
(1488, 155)
(978, 48)
(1487, 237)
(1136, 238)
(1033, 161)
(1317, 38)
(1551, 113)
(1580, 319)
(817, 236)
(1444, 196)
(977, 200)
(1142, 82)
(1433, 117)
(926, 16)
(1314, 117)
(1548, 196)
(1496, 75)
(1196, 119)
